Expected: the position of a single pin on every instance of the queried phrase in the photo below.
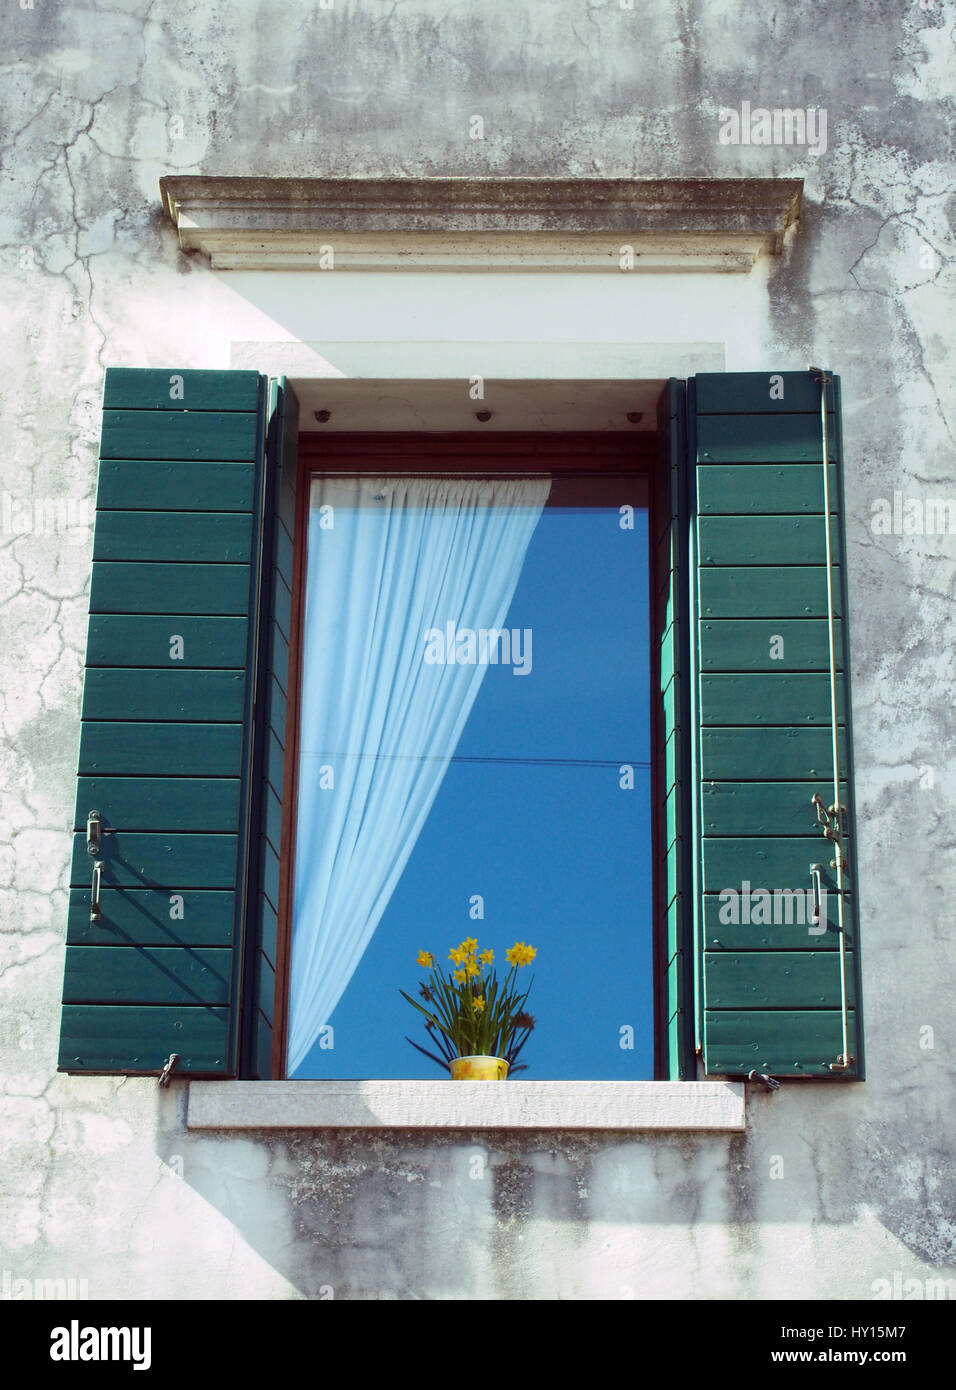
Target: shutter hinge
(842, 1063)
(830, 819)
(166, 1073)
(94, 846)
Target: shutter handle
(94, 844)
(816, 873)
(95, 912)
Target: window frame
(590, 453)
(137, 431)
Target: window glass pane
(537, 827)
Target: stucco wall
(832, 1188)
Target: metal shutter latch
(94, 843)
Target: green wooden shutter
(272, 731)
(167, 724)
(771, 997)
(674, 972)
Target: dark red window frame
(591, 455)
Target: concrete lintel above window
(468, 1105)
(482, 224)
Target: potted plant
(477, 1023)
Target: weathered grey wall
(99, 1180)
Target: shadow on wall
(399, 1214)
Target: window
(184, 805)
(474, 749)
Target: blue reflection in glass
(532, 819)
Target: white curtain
(388, 560)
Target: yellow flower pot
(478, 1068)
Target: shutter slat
(168, 485)
(177, 695)
(275, 708)
(122, 640)
(739, 592)
(759, 808)
(749, 644)
(764, 540)
(270, 873)
(787, 753)
(279, 659)
(772, 979)
(286, 512)
(110, 1038)
(668, 659)
(755, 488)
(275, 763)
(270, 930)
(282, 613)
(767, 862)
(138, 388)
(170, 861)
(758, 393)
(146, 975)
(120, 587)
(273, 818)
(163, 803)
(263, 1045)
(164, 536)
(777, 1041)
(283, 557)
(265, 986)
(761, 439)
(150, 917)
(140, 434)
(171, 750)
(762, 698)
(790, 932)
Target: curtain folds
(390, 560)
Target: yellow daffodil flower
(461, 976)
(520, 954)
(472, 968)
(487, 957)
(469, 946)
(457, 955)
(424, 959)
(478, 1003)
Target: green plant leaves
(461, 1027)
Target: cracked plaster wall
(100, 1181)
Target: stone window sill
(699, 1106)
